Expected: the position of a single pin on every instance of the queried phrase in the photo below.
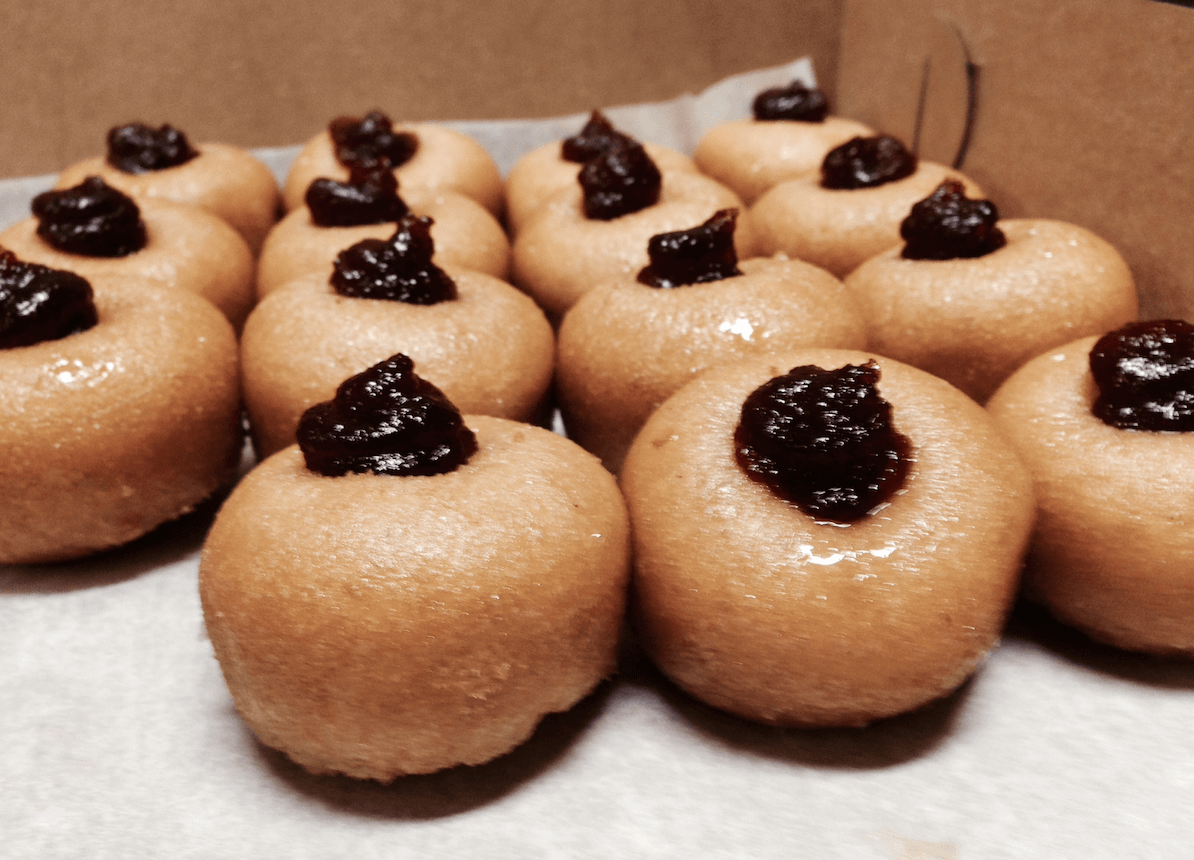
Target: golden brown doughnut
(759, 609)
(446, 160)
(377, 625)
(112, 431)
(974, 321)
(625, 347)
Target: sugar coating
(187, 248)
(377, 625)
(974, 321)
(490, 350)
(223, 179)
(625, 347)
(1113, 549)
(465, 235)
(446, 160)
(115, 430)
(756, 608)
(837, 229)
(750, 156)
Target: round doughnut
(377, 625)
(560, 254)
(974, 321)
(465, 235)
(625, 347)
(544, 172)
(188, 248)
(490, 350)
(749, 156)
(1114, 543)
(112, 431)
(446, 160)
(223, 179)
(840, 229)
(761, 610)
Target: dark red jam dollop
(697, 256)
(370, 196)
(866, 162)
(386, 420)
(621, 180)
(596, 137)
(795, 102)
(1145, 375)
(398, 268)
(38, 303)
(824, 441)
(948, 225)
(371, 141)
(92, 219)
(137, 148)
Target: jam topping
(38, 303)
(621, 180)
(137, 148)
(697, 256)
(370, 196)
(385, 420)
(596, 137)
(1145, 375)
(92, 219)
(793, 102)
(398, 268)
(948, 225)
(371, 142)
(823, 440)
(866, 162)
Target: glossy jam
(793, 102)
(619, 181)
(138, 148)
(948, 225)
(866, 162)
(92, 219)
(371, 142)
(38, 303)
(370, 196)
(596, 137)
(1145, 376)
(824, 441)
(386, 420)
(696, 256)
(398, 269)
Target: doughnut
(1114, 544)
(378, 624)
(782, 614)
(117, 428)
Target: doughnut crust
(1113, 551)
(625, 347)
(490, 350)
(223, 179)
(544, 172)
(749, 156)
(465, 235)
(446, 160)
(376, 625)
(756, 608)
(973, 322)
(560, 254)
(187, 248)
(112, 431)
(838, 230)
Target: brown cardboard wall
(266, 73)
(1083, 112)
